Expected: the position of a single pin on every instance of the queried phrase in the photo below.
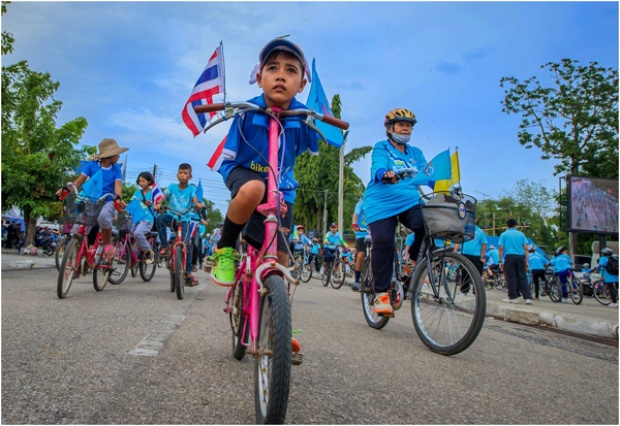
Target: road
(81, 360)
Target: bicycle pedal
(297, 358)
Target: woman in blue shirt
(388, 200)
(611, 281)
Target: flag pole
(223, 69)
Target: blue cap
(281, 44)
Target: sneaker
(322, 271)
(148, 257)
(223, 271)
(613, 305)
(383, 305)
(564, 300)
(356, 286)
(163, 252)
(528, 301)
(191, 280)
(515, 301)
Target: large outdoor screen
(592, 205)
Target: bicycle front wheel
(448, 304)
(555, 290)
(338, 274)
(367, 291)
(69, 269)
(120, 263)
(147, 272)
(306, 272)
(273, 357)
(60, 250)
(576, 291)
(327, 274)
(179, 272)
(601, 292)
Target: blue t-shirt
(607, 277)
(536, 261)
(383, 200)
(297, 139)
(493, 257)
(332, 240)
(180, 199)
(303, 240)
(561, 263)
(361, 219)
(513, 241)
(108, 176)
(315, 249)
(473, 247)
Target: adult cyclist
(388, 200)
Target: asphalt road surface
(89, 359)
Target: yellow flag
(446, 184)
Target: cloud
(449, 67)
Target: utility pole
(341, 186)
(325, 214)
(154, 171)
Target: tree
(318, 182)
(7, 37)
(575, 122)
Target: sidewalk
(589, 318)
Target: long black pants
(516, 278)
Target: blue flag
(199, 192)
(318, 102)
(441, 166)
(93, 187)
(135, 210)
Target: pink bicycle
(258, 303)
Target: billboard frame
(569, 213)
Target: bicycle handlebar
(174, 212)
(230, 106)
(401, 174)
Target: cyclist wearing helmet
(611, 281)
(388, 200)
(562, 263)
(537, 267)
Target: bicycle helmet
(585, 265)
(607, 252)
(399, 114)
(531, 248)
(560, 250)
(492, 248)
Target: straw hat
(108, 148)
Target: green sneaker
(223, 271)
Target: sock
(230, 233)
(357, 276)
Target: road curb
(562, 321)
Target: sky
(129, 67)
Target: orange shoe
(296, 346)
(383, 305)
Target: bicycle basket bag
(451, 217)
(612, 265)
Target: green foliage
(214, 216)
(7, 38)
(575, 122)
(37, 157)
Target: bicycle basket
(451, 217)
(123, 221)
(82, 210)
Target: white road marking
(152, 344)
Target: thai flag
(193, 227)
(211, 82)
(157, 194)
(216, 159)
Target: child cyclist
(143, 216)
(330, 245)
(281, 75)
(180, 197)
(106, 162)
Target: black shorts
(360, 245)
(254, 231)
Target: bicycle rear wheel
(338, 274)
(179, 272)
(273, 358)
(119, 263)
(448, 304)
(101, 275)
(373, 319)
(576, 291)
(601, 292)
(237, 322)
(68, 268)
(147, 272)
